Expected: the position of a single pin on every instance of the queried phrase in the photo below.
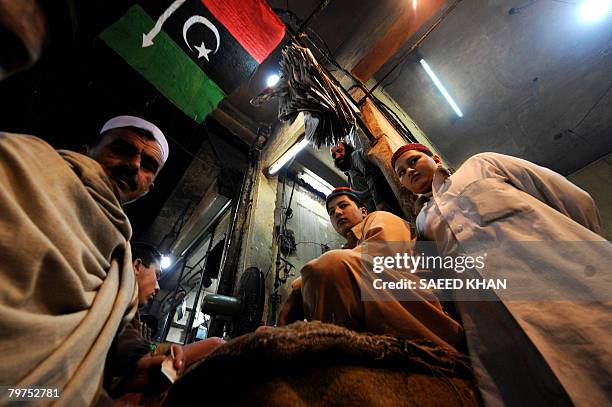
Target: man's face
(131, 159)
(344, 214)
(341, 160)
(146, 277)
(416, 170)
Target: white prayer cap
(132, 121)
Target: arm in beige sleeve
(383, 226)
(544, 184)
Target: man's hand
(293, 308)
(146, 376)
(194, 352)
(179, 359)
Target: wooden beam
(406, 25)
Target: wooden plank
(406, 25)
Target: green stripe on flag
(163, 64)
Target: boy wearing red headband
(337, 287)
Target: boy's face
(344, 214)
(416, 170)
(146, 277)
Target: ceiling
(533, 83)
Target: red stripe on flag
(251, 22)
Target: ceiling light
(272, 80)
(288, 155)
(441, 88)
(166, 261)
(594, 10)
(317, 182)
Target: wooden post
(388, 140)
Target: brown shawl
(317, 364)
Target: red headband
(343, 191)
(408, 147)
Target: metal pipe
(194, 308)
(170, 317)
(275, 297)
(242, 205)
(322, 5)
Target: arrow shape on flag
(147, 39)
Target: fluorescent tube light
(317, 182)
(288, 155)
(441, 88)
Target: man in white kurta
(547, 340)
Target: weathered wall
(596, 179)
(258, 244)
(310, 224)
(312, 230)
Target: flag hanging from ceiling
(195, 52)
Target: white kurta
(550, 342)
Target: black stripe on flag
(229, 66)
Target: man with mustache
(365, 179)
(132, 151)
(338, 288)
(67, 277)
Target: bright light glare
(441, 88)
(166, 262)
(317, 182)
(272, 80)
(414, 5)
(289, 154)
(594, 10)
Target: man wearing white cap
(132, 151)
(67, 278)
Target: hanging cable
(325, 51)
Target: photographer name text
(442, 284)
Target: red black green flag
(195, 51)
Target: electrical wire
(389, 114)
(593, 107)
(393, 119)
(517, 10)
(189, 153)
(317, 243)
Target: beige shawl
(66, 277)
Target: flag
(195, 52)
